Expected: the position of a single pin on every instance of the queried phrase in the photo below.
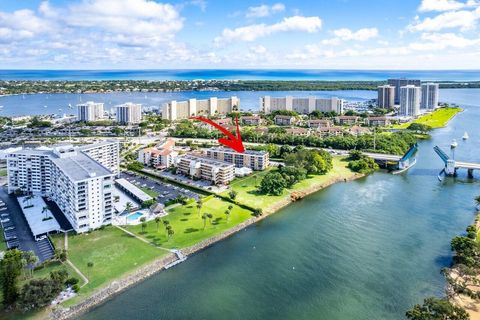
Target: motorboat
(454, 144)
(465, 136)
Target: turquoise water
(135, 216)
(247, 74)
(362, 250)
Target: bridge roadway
(382, 156)
(467, 165)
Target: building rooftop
(98, 144)
(217, 163)
(81, 167)
(134, 190)
(222, 149)
(33, 212)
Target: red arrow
(232, 142)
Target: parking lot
(165, 190)
(16, 231)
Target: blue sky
(333, 34)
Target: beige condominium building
(255, 160)
(218, 172)
(160, 156)
(177, 110)
(386, 96)
(301, 105)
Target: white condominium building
(301, 105)
(255, 160)
(79, 185)
(129, 113)
(386, 96)
(106, 153)
(409, 101)
(177, 110)
(218, 172)
(160, 156)
(90, 111)
(429, 96)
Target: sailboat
(465, 136)
(454, 144)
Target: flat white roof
(134, 190)
(35, 216)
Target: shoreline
(137, 276)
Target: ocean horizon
(239, 74)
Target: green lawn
(247, 187)
(151, 193)
(3, 244)
(437, 119)
(188, 224)
(113, 253)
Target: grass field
(3, 244)
(188, 225)
(247, 187)
(112, 252)
(437, 119)
(151, 193)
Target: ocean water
(362, 250)
(238, 74)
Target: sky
(249, 34)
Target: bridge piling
(470, 173)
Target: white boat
(454, 144)
(465, 136)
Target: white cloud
(463, 19)
(264, 10)
(359, 35)
(255, 31)
(134, 17)
(441, 5)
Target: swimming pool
(135, 216)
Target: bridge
(403, 162)
(451, 165)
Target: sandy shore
(470, 305)
(143, 273)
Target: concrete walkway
(85, 279)
(142, 239)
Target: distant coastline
(241, 74)
(16, 87)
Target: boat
(454, 144)
(465, 136)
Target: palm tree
(166, 222)
(168, 227)
(128, 207)
(45, 210)
(210, 216)
(230, 207)
(227, 212)
(144, 225)
(90, 266)
(170, 232)
(30, 260)
(199, 205)
(157, 221)
(204, 217)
